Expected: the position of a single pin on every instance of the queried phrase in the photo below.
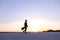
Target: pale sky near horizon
(42, 13)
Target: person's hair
(25, 20)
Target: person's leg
(25, 29)
(22, 28)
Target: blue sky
(17, 10)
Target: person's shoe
(24, 31)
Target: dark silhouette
(52, 30)
(25, 26)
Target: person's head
(25, 20)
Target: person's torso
(25, 24)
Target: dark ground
(30, 36)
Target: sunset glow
(41, 15)
(34, 25)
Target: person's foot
(24, 31)
(22, 28)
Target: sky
(41, 14)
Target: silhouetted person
(25, 26)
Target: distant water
(30, 36)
